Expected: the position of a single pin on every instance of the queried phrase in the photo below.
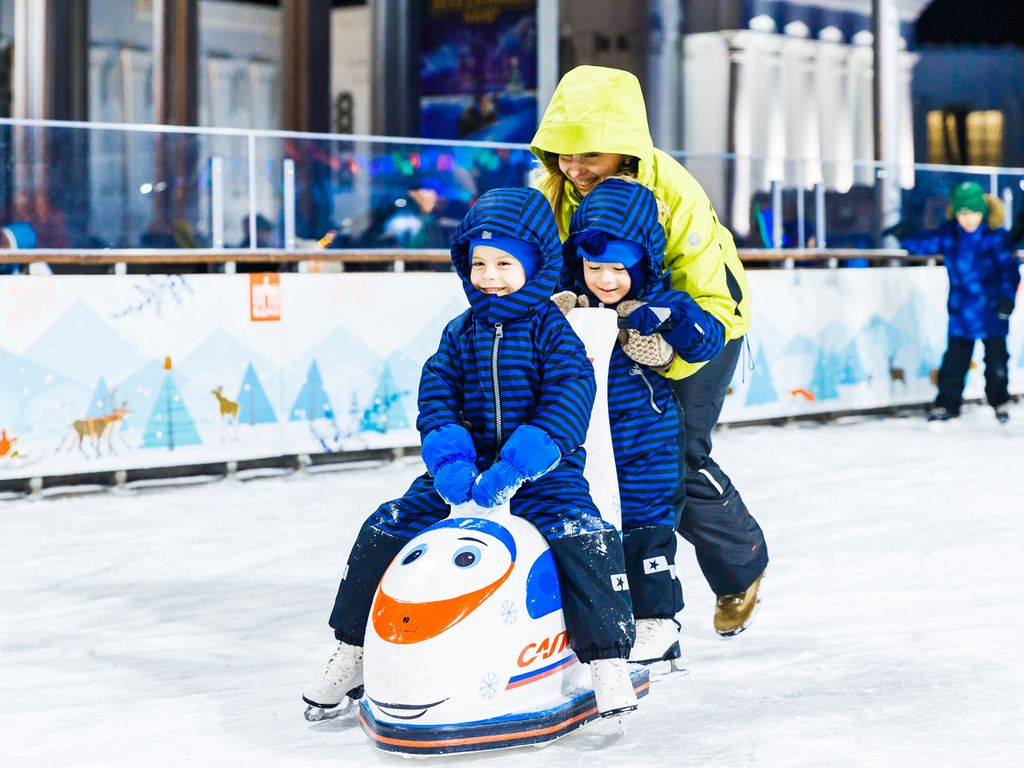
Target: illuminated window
(959, 137)
(985, 137)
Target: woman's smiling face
(589, 169)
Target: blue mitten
(693, 333)
(530, 453)
(648, 318)
(454, 481)
(450, 457)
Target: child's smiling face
(495, 272)
(608, 282)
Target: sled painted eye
(414, 554)
(466, 557)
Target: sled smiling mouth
(413, 711)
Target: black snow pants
(957, 361)
(729, 544)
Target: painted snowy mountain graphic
(221, 360)
(82, 346)
(36, 399)
(343, 363)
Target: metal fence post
(776, 213)
(217, 200)
(289, 204)
(820, 239)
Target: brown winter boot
(734, 613)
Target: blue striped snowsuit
(646, 422)
(507, 361)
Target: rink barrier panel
(149, 375)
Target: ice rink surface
(177, 627)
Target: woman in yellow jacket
(596, 127)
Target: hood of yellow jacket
(596, 109)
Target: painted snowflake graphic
(509, 613)
(489, 685)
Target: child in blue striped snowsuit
(614, 256)
(504, 407)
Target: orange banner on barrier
(264, 296)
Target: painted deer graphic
(98, 429)
(228, 409)
(896, 374)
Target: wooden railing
(164, 258)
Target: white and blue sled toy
(466, 647)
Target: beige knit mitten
(652, 351)
(567, 301)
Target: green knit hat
(967, 196)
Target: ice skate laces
(343, 663)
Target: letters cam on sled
(464, 659)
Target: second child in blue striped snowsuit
(615, 236)
(504, 406)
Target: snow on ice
(176, 627)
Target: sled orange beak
(402, 623)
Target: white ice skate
(342, 679)
(657, 647)
(613, 688)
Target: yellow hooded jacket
(599, 109)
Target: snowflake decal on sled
(509, 613)
(489, 685)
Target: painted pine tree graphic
(169, 425)
(312, 401)
(853, 368)
(253, 405)
(386, 410)
(100, 402)
(826, 376)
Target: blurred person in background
(983, 278)
(20, 235)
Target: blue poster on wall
(478, 69)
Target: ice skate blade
(315, 712)
(671, 654)
(664, 668)
(619, 712)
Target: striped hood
(627, 211)
(516, 212)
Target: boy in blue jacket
(504, 407)
(614, 257)
(983, 277)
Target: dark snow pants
(957, 361)
(595, 592)
(730, 547)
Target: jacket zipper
(498, 333)
(637, 371)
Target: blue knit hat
(525, 252)
(597, 246)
